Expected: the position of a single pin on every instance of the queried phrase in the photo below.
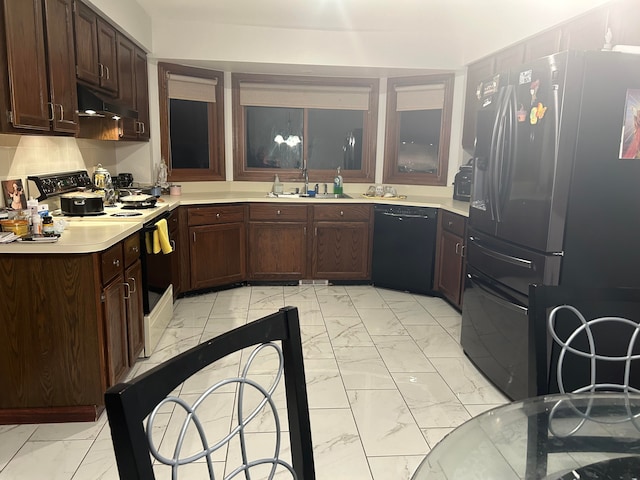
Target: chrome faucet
(305, 175)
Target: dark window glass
(419, 144)
(189, 134)
(274, 137)
(335, 139)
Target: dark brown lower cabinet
(277, 242)
(341, 242)
(67, 331)
(450, 248)
(217, 245)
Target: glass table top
(588, 435)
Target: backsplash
(23, 155)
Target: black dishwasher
(404, 246)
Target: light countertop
(95, 234)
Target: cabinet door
(509, 57)
(135, 315)
(86, 29)
(116, 330)
(341, 251)
(126, 82)
(450, 263)
(217, 254)
(543, 44)
(623, 22)
(107, 55)
(176, 239)
(27, 64)
(277, 250)
(142, 93)
(476, 73)
(586, 32)
(62, 76)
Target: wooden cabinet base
(80, 413)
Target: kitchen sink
(320, 196)
(329, 195)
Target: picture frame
(14, 196)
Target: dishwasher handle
(404, 215)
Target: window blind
(197, 89)
(419, 97)
(304, 96)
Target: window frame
(392, 132)
(216, 169)
(242, 172)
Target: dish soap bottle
(337, 183)
(277, 186)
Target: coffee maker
(463, 182)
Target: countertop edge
(97, 236)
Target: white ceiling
(463, 29)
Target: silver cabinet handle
(457, 248)
(462, 250)
(133, 281)
(341, 213)
(101, 68)
(173, 244)
(61, 111)
(108, 74)
(194, 237)
(127, 290)
(217, 215)
(278, 212)
(52, 110)
(116, 262)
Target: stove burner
(126, 214)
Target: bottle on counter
(47, 226)
(277, 185)
(36, 224)
(337, 183)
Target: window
(191, 122)
(418, 129)
(283, 124)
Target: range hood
(91, 104)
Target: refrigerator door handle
(519, 262)
(501, 170)
(495, 295)
(506, 161)
(496, 140)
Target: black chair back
(609, 337)
(129, 404)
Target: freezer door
(496, 337)
(513, 266)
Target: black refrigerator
(555, 200)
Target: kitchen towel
(161, 238)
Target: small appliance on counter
(463, 181)
(103, 185)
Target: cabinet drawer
(285, 213)
(214, 214)
(131, 249)
(453, 223)
(112, 263)
(342, 212)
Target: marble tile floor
(386, 375)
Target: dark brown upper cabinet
(95, 49)
(38, 63)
